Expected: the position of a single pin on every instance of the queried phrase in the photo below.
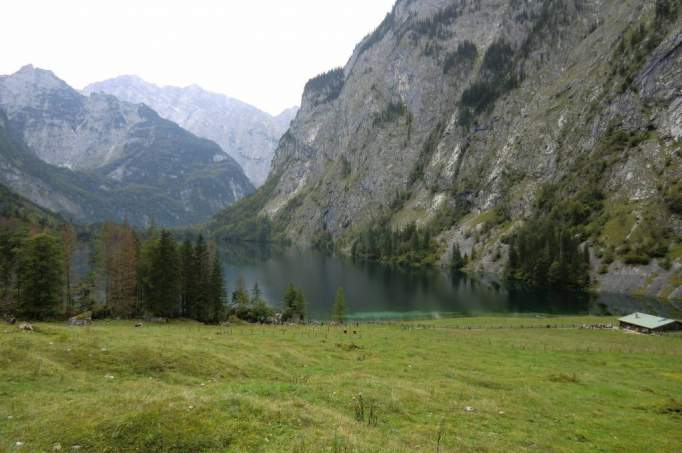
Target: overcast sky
(259, 51)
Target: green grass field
(427, 386)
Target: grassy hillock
(479, 384)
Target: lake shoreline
(395, 291)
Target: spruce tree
(187, 279)
(293, 304)
(68, 236)
(11, 242)
(201, 292)
(457, 259)
(240, 296)
(217, 293)
(40, 277)
(339, 309)
(256, 293)
(162, 282)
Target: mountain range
(96, 157)
(477, 120)
(245, 133)
(541, 140)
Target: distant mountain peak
(29, 74)
(244, 132)
(122, 157)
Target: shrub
(673, 198)
(545, 254)
(329, 84)
(464, 56)
(391, 113)
(497, 78)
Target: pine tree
(240, 296)
(162, 283)
(256, 293)
(187, 279)
(11, 241)
(457, 259)
(68, 235)
(201, 272)
(294, 304)
(217, 293)
(339, 309)
(40, 277)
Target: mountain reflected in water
(378, 291)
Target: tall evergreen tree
(201, 293)
(11, 242)
(187, 279)
(68, 235)
(457, 261)
(294, 304)
(339, 308)
(40, 277)
(217, 293)
(162, 283)
(239, 295)
(256, 293)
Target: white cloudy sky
(259, 51)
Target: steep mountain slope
(247, 134)
(478, 120)
(79, 196)
(116, 159)
(16, 210)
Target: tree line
(546, 254)
(132, 275)
(129, 276)
(410, 246)
(32, 271)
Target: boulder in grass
(82, 320)
(158, 320)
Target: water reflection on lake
(377, 291)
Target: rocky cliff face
(462, 116)
(245, 133)
(134, 162)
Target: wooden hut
(641, 322)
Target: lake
(377, 291)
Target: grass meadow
(470, 384)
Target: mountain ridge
(472, 119)
(116, 152)
(244, 132)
